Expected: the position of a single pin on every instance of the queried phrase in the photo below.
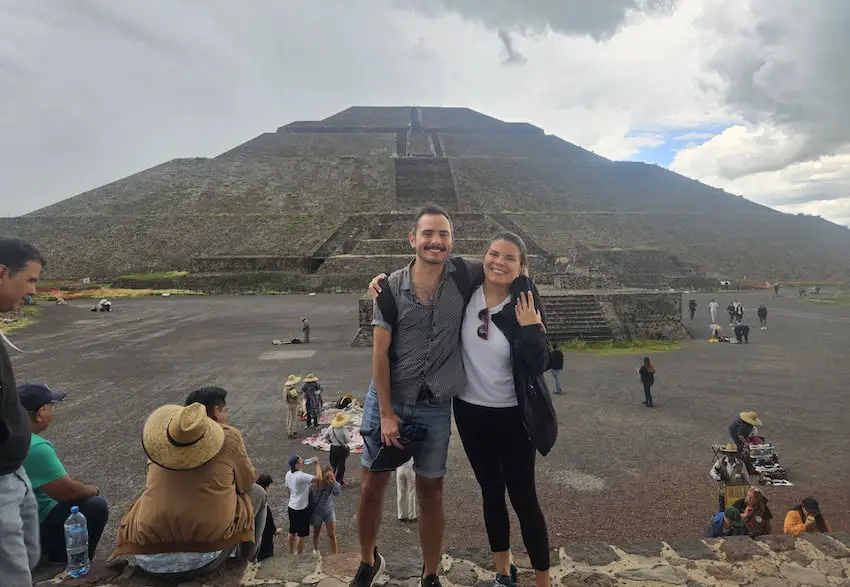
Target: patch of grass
(152, 276)
(621, 347)
(111, 292)
(28, 315)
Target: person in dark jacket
(742, 428)
(20, 268)
(762, 313)
(647, 378)
(742, 333)
(556, 365)
(503, 341)
(270, 530)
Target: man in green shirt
(55, 490)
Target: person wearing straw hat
(312, 392)
(200, 499)
(742, 428)
(291, 401)
(729, 469)
(337, 435)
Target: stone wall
(640, 316)
(816, 560)
(630, 315)
(249, 263)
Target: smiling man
(20, 268)
(416, 371)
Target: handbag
(347, 448)
(538, 414)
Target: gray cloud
(598, 18)
(514, 57)
(788, 67)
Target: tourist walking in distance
(405, 489)
(503, 341)
(713, 307)
(647, 378)
(556, 366)
(762, 314)
(291, 401)
(20, 268)
(692, 307)
(305, 330)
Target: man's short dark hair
(430, 210)
(15, 253)
(210, 397)
(264, 480)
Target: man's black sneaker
(430, 581)
(367, 574)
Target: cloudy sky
(749, 95)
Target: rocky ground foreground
(771, 561)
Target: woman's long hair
(648, 364)
(323, 484)
(820, 521)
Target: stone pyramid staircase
(575, 317)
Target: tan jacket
(201, 510)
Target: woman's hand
(526, 314)
(375, 287)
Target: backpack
(389, 309)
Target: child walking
(647, 378)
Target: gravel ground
(619, 473)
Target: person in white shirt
(712, 308)
(405, 486)
(502, 315)
(298, 482)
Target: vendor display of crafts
(329, 410)
(766, 463)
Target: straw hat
(292, 380)
(310, 378)
(750, 418)
(729, 448)
(181, 438)
(340, 420)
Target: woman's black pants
(502, 457)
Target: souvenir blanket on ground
(355, 413)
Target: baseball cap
(293, 461)
(35, 395)
(734, 517)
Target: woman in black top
(647, 377)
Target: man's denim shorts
(436, 417)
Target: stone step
(471, 247)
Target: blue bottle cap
(75, 509)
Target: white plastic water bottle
(77, 543)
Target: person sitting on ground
(312, 392)
(55, 491)
(200, 499)
(725, 523)
(806, 517)
(103, 305)
(324, 492)
(742, 333)
(337, 435)
(270, 530)
(754, 512)
(298, 482)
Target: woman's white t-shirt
(489, 376)
(299, 483)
